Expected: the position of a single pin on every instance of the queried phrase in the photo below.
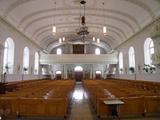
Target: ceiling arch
(124, 18)
(95, 34)
(106, 39)
(40, 13)
(21, 2)
(107, 16)
(39, 30)
(142, 5)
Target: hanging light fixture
(98, 40)
(94, 39)
(54, 27)
(83, 29)
(104, 30)
(104, 27)
(60, 40)
(54, 30)
(63, 39)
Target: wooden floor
(80, 108)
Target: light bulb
(94, 39)
(98, 40)
(104, 30)
(63, 39)
(54, 30)
(60, 40)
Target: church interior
(79, 59)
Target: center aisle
(80, 109)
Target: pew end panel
(133, 107)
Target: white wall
(137, 42)
(20, 42)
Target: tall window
(97, 51)
(8, 59)
(131, 54)
(26, 60)
(121, 62)
(59, 51)
(36, 63)
(148, 51)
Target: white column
(156, 38)
(157, 44)
(91, 71)
(1, 61)
(157, 50)
(85, 49)
(65, 72)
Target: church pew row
(34, 107)
(13, 86)
(133, 107)
(138, 102)
(145, 85)
(46, 98)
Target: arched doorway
(58, 75)
(98, 74)
(78, 70)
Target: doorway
(58, 75)
(98, 75)
(78, 71)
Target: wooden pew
(152, 105)
(44, 98)
(138, 101)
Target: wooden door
(78, 76)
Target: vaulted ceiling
(34, 18)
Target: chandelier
(83, 29)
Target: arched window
(58, 72)
(8, 59)
(26, 60)
(131, 54)
(148, 51)
(59, 51)
(36, 63)
(97, 51)
(78, 68)
(121, 62)
(98, 72)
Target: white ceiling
(123, 18)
